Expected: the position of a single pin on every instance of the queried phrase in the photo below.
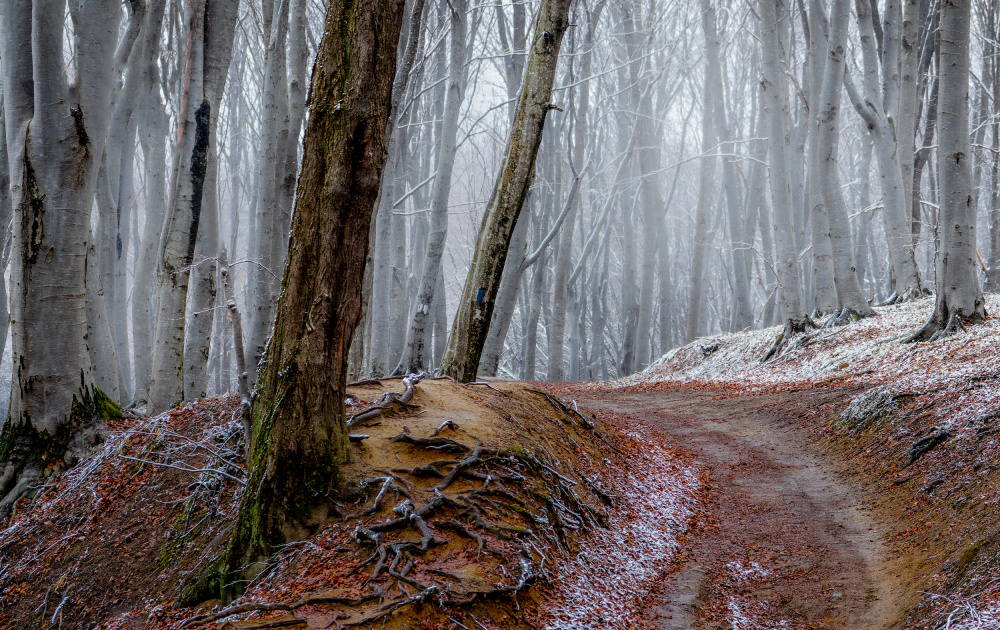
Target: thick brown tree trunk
(299, 429)
(475, 307)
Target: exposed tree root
(437, 443)
(933, 331)
(445, 425)
(311, 600)
(388, 609)
(845, 316)
(389, 399)
(792, 328)
(907, 295)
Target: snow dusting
(602, 586)
(868, 352)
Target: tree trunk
(824, 290)
(475, 307)
(55, 138)
(299, 425)
(706, 184)
(959, 296)
(776, 104)
(873, 111)
(414, 360)
(212, 26)
(275, 136)
(845, 275)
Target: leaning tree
(299, 428)
(475, 307)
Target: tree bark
(298, 418)
(212, 25)
(959, 296)
(475, 307)
(875, 111)
(776, 105)
(845, 275)
(414, 359)
(55, 136)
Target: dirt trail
(784, 539)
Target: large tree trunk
(475, 307)
(824, 290)
(299, 427)
(959, 296)
(55, 138)
(874, 111)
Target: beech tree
(959, 295)
(55, 135)
(298, 420)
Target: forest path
(784, 541)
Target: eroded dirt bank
(784, 540)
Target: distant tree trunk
(513, 272)
(706, 185)
(153, 129)
(414, 360)
(730, 164)
(275, 136)
(993, 51)
(475, 307)
(776, 105)
(299, 426)
(959, 296)
(55, 137)
(824, 290)
(875, 112)
(210, 46)
(845, 275)
(382, 280)
(906, 107)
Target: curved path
(783, 541)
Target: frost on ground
(865, 353)
(743, 615)
(602, 586)
(910, 398)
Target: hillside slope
(491, 506)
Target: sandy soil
(783, 541)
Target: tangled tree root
(906, 296)
(933, 331)
(506, 506)
(792, 328)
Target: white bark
(845, 275)
(776, 105)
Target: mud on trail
(783, 541)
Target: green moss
(207, 584)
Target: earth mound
(492, 505)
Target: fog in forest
(705, 167)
